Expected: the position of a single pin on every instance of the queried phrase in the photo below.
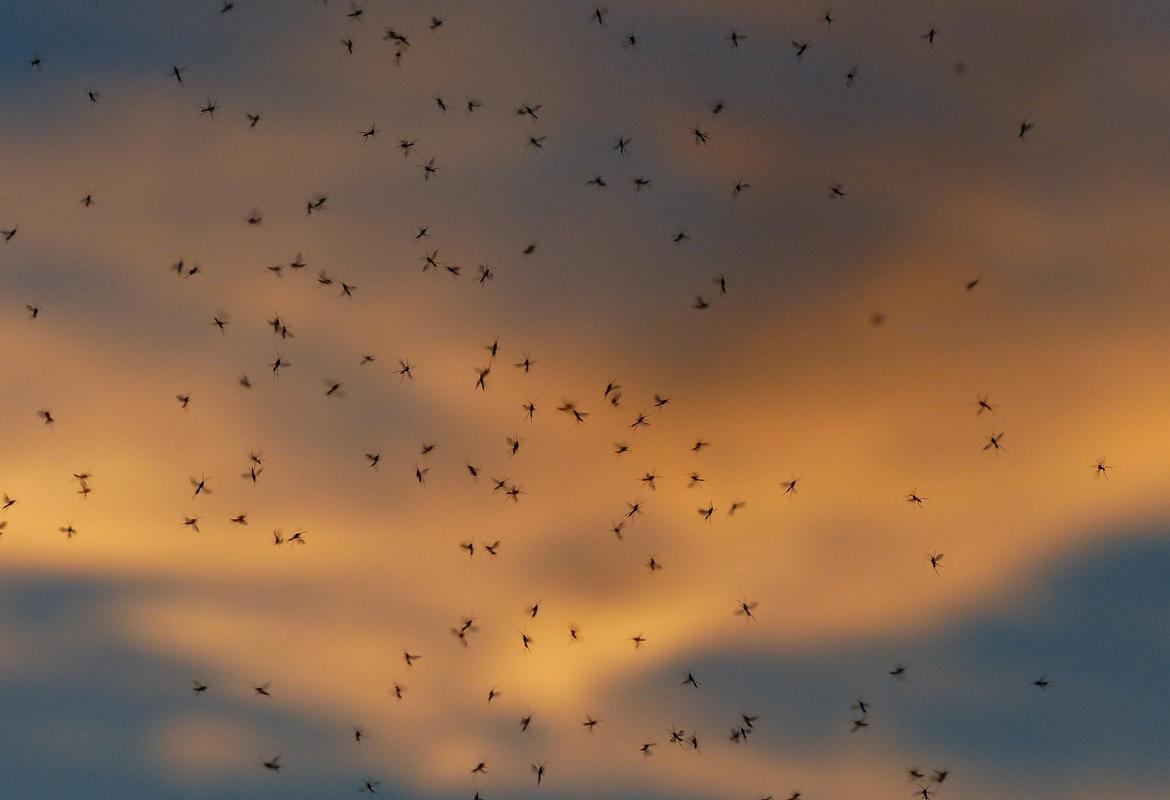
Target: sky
(823, 352)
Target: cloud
(784, 376)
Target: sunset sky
(848, 355)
